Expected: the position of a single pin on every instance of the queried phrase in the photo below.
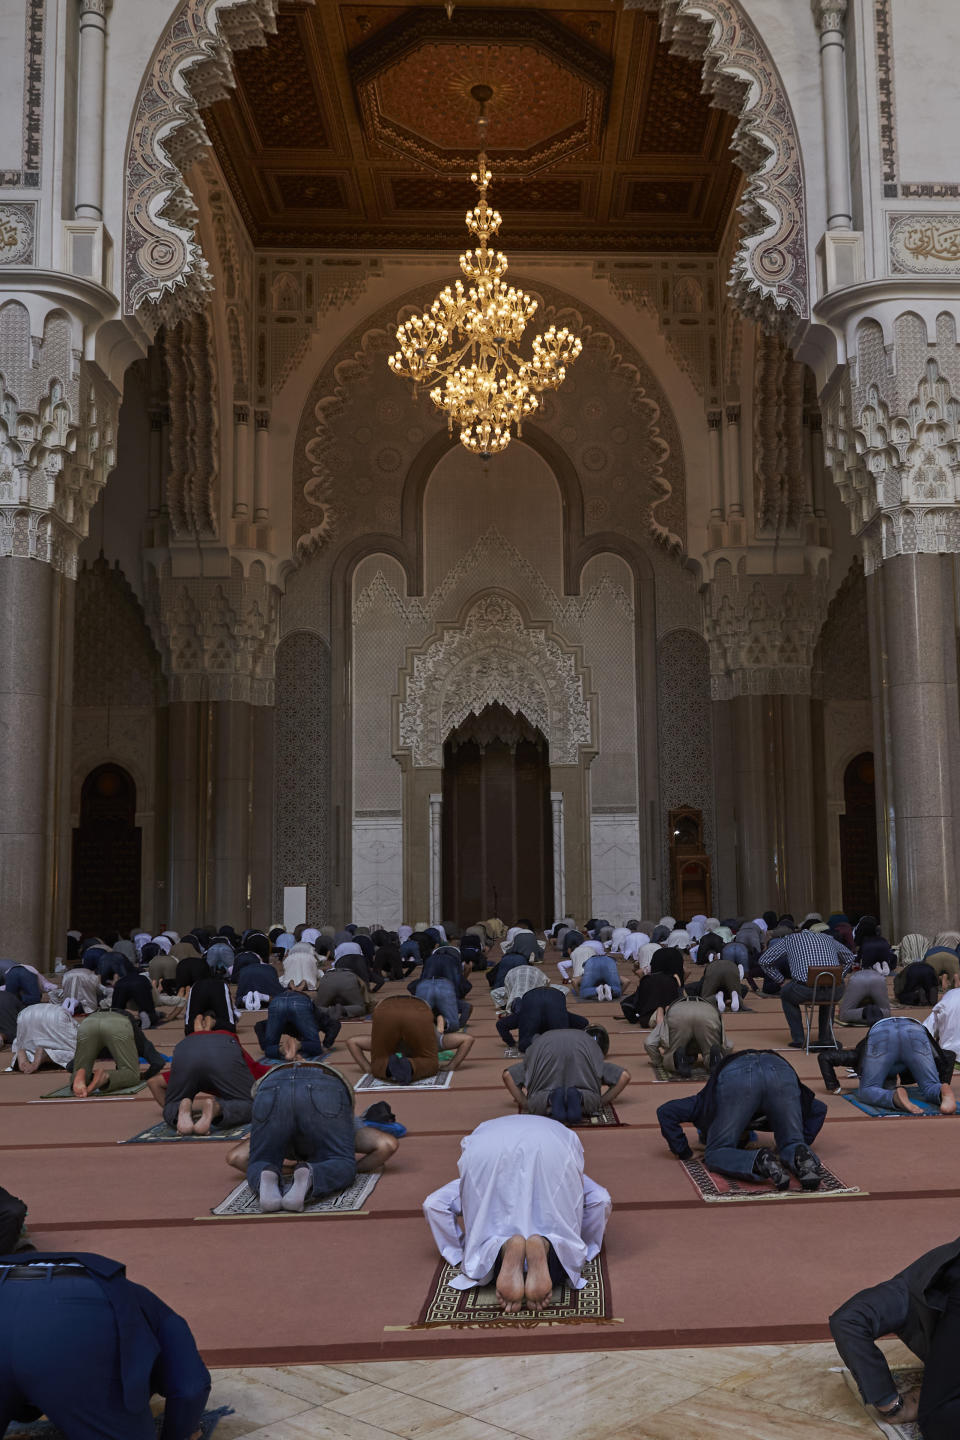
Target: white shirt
(645, 956)
(943, 1022)
(299, 964)
(634, 943)
(48, 1026)
(618, 939)
(519, 1174)
(582, 954)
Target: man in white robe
(522, 1211)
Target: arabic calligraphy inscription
(925, 244)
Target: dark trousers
(295, 1011)
(558, 1275)
(81, 1392)
(792, 996)
(303, 1113)
(755, 1083)
(22, 983)
(940, 1392)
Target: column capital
(892, 439)
(217, 632)
(762, 628)
(829, 15)
(58, 420)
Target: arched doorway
(497, 830)
(105, 886)
(858, 839)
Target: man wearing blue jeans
(305, 1110)
(894, 1046)
(750, 1090)
(600, 979)
(441, 995)
(294, 1012)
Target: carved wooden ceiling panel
(354, 127)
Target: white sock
(734, 1002)
(295, 1197)
(721, 1003)
(270, 1192)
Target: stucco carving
(361, 430)
(164, 271)
(892, 439)
(762, 630)
(58, 420)
(493, 657)
(769, 274)
(217, 636)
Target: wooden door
(497, 830)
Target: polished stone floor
(772, 1392)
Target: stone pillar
(261, 467)
(912, 603)
(436, 858)
(90, 73)
(735, 487)
(831, 16)
(35, 681)
(188, 778)
(241, 462)
(230, 827)
(715, 420)
(261, 815)
(559, 885)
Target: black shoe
(716, 1055)
(796, 1045)
(807, 1168)
(681, 1063)
(767, 1167)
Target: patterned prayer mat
(43, 1430)
(662, 1076)
(930, 1112)
(606, 1115)
(904, 1380)
(440, 1081)
(65, 1092)
(162, 1132)
(242, 1201)
(511, 1053)
(720, 1188)
(479, 1306)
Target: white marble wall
(615, 860)
(377, 870)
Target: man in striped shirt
(787, 961)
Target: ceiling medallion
(466, 340)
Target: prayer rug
(904, 1380)
(662, 1076)
(930, 1112)
(163, 1132)
(440, 1081)
(479, 1305)
(511, 1053)
(43, 1430)
(721, 1188)
(242, 1201)
(66, 1093)
(606, 1115)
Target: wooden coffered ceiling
(354, 128)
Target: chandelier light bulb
(463, 346)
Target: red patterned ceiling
(354, 127)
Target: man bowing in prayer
(522, 1213)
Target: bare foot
(80, 1085)
(289, 1047)
(202, 1125)
(902, 1101)
(185, 1118)
(539, 1286)
(100, 1073)
(948, 1101)
(510, 1279)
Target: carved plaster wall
(892, 438)
(762, 630)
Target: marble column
(188, 765)
(559, 886)
(90, 106)
(35, 688)
(232, 804)
(831, 16)
(912, 602)
(261, 816)
(436, 858)
(715, 422)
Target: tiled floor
(786, 1392)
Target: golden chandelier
(466, 340)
